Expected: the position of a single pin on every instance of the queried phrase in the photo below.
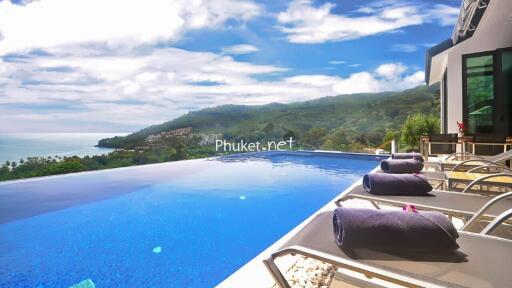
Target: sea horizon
(16, 146)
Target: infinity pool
(182, 224)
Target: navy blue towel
(412, 155)
(400, 166)
(396, 184)
(393, 230)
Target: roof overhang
(471, 12)
(436, 61)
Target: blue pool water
(182, 224)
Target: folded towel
(396, 184)
(393, 230)
(412, 155)
(399, 166)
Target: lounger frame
(485, 180)
(356, 266)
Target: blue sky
(96, 66)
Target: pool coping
(255, 272)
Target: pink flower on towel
(409, 208)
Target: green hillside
(363, 118)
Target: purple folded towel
(393, 230)
(396, 184)
(412, 155)
(399, 166)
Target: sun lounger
(492, 184)
(437, 175)
(483, 144)
(481, 260)
(436, 178)
(465, 161)
(442, 143)
(495, 183)
(462, 205)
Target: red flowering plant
(460, 126)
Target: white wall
(494, 31)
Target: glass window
(479, 94)
(506, 70)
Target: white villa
(474, 68)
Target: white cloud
(240, 49)
(43, 24)
(124, 91)
(306, 23)
(366, 10)
(406, 48)
(313, 80)
(358, 83)
(354, 65)
(387, 77)
(99, 70)
(391, 70)
(444, 14)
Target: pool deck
(255, 272)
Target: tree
(5, 173)
(268, 129)
(290, 134)
(388, 137)
(314, 138)
(181, 151)
(418, 125)
(70, 165)
(336, 140)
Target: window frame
(497, 98)
(505, 103)
(444, 102)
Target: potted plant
(460, 127)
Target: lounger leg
(275, 272)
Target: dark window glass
(506, 70)
(479, 96)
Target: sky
(119, 66)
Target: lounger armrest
(481, 179)
(484, 208)
(340, 263)
(496, 222)
(469, 161)
(499, 167)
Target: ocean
(16, 146)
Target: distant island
(357, 122)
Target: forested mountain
(363, 118)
